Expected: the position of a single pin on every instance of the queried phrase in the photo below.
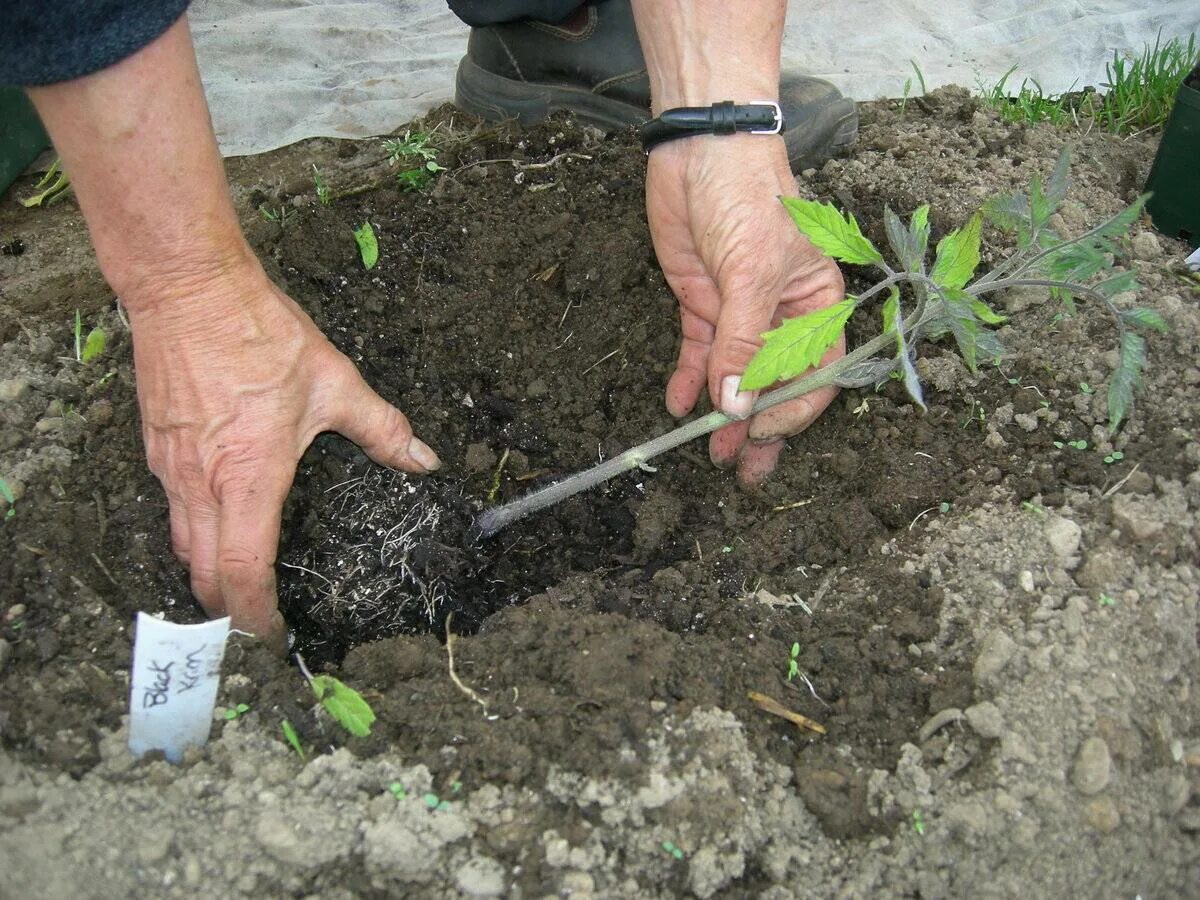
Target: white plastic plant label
(1193, 261)
(173, 688)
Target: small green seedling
(1086, 388)
(1105, 600)
(7, 494)
(918, 822)
(368, 246)
(1074, 445)
(1115, 456)
(87, 349)
(293, 739)
(433, 801)
(323, 195)
(397, 790)
(793, 661)
(343, 703)
(1033, 508)
(414, 146)
(53, 186)
(671, 850)
(234, 711)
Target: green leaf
(345, 704)
(6, 493)
(293, 739)
(1144, 318)
(958, 319)
(1056, 184)
(1039, 207)
(1121, 283)
(1008, 212)
(958, 255)
(796, 345)
(94, 345)
(901, 241)
(830, 232)
(918, 227)
(985, 313)
(368, 247)
(893, 321)
(1126, 379)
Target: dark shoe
(592, 66)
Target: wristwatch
(726, 117)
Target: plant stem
(502, 516)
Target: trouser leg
(479, 13)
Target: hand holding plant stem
(943, 301)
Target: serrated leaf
(796, 345)
(958, 319)
(1126, 378)
(1056, 184)
(94, 345)
(1074, 262)
(1121, 283)
(830, 232)
(918, 226)
(368, 246)
(893, 321)
(958, 255)
(985, 313)
(1039, 206)
(345, 704)
(1120, 223)
(1008, 212)
(901, 241)
(1141, 317)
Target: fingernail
(423, 454)
(734, 403)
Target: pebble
(985, 720)
(481, 877)
(13, 389)
(1101, 814)
(14, 612)
(1135, 518)
(1146, 246)
(995, 651)
(1063, 535)
(1026, 421)
(1093, 766)
(48, 424)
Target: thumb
(747, 304)
(379, 428)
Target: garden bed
(973, 605)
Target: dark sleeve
(45, 42)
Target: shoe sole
(828, 132)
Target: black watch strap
(727, 117)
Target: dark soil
(520, 313)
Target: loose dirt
(1000, 636)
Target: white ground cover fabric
(277, 71)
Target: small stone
(577, 884)
(994, 441)
(1093, 766)
(480, 458)
(1025, 579)
(14, 612)
(1101, 814)
(1175, 794)
(1146, 246)
(48, 425)
(995, 651)
(985, 720)
(1063, 535)
(1135, 517)
(13, 389)
(1026, 421)
(481, 877)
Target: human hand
(738, 266)
(234, 382)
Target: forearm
(137, 141)
(702, 51)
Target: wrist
(189, 279)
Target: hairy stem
(502, 516)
